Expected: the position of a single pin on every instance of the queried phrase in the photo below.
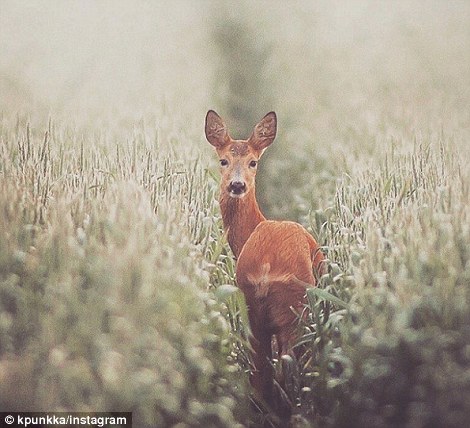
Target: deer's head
(239, 158)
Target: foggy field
(116, 281)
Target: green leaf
(319, 293)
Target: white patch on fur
(263, 278)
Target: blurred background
(125, 59)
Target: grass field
(116, 281)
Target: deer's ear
(264, 132)
(216, 130)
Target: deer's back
(276, 252)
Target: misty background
(333, 71)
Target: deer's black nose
(237, 187)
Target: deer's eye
(253, 164)
(223, 162)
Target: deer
(275, 260)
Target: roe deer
(275, 259)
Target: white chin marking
(237, 195)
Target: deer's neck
(240, 217)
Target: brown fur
(276, 259)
